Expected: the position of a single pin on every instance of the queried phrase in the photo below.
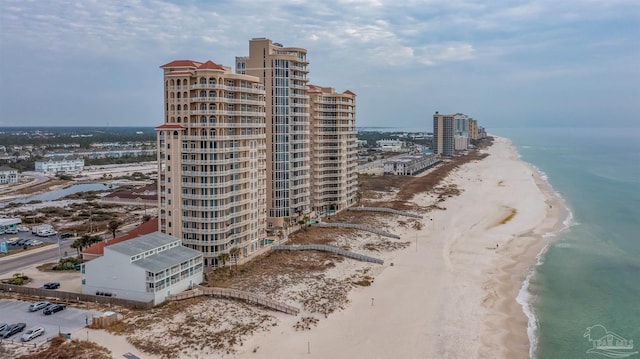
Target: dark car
(53, 309)
(12, 329)
(66, 235)
(22, 241)
(52, 285)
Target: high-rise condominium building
(443, 142)
(333, 148)
(212, 159)
(473, 129)
(283, 71)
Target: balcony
(257, 90)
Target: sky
(506, 63)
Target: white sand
(451, 294)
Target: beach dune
(452, 293)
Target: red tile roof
(182, 63)
(210, 65)
(147, 227)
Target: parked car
(47, 233)
(23, 229)
(2, 326)
(53, 309)
(13, 240)
(51, 285)
(66, 235)
(34, 242)
(22, 241)
(12, 329)
(11, 231)
(34, 307)
(32, 333)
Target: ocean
(586, 285)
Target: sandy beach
(447, 288)
(452, 292)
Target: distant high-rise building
(443, 141)
(283, 71)
(473, 129)
(333, 148)
(212, 159)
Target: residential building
(146, 268)
(389, 145)
(212, 159)
(8, 175)
(409, 165)
(334, 181)
(460, 143)
(473, 129)
(53, 165)
(461, 131)
(443, 134)
(97, 249)
(283, 71)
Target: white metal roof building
(145, 268)
(410, 164)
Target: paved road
(14, 263)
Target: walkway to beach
(229, 293)
(388, 210)
(357, 226)
(325, 248)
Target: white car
(34, 242)
(47, 233)
(32, 333)
(23, 229)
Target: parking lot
(27, 236)
(69, 320)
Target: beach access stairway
(326, 248)
(229, 293)
(388, 210)
(357, 226)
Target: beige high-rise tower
(283, 71)
(333, 148)
(212, 159)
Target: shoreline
(453, 291)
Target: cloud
(363, 45)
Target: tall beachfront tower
(283, 71)
(212, 159)
(334, 181)
(443, 141)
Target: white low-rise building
(8, 175)
(60, 165)
(145, 268)
(409, 165)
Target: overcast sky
(506, 63)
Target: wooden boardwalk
(229, 293)
(357, 226)
(325, 248)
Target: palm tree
(235, 253)
(113, 227)
(223, 257)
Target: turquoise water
(590, 275)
